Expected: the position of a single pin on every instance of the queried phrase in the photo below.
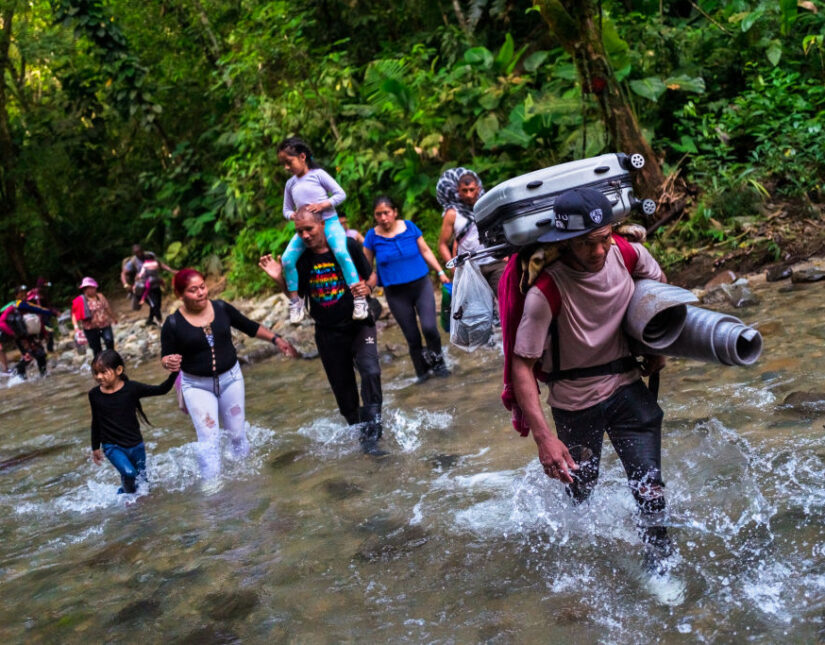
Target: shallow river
(456, 537)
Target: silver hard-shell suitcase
(519, 210)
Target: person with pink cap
(91, 310)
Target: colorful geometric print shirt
(322, 282)
(326, 285)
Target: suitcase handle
(601, 169)
(544, 222)
(534, 184)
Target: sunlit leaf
(686, 83)
(650, 88)
(486, 127)
(535, 60)
(505, 54)
(480, 56)
(749, 20)
(774, 52)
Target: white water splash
(172, 470)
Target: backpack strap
(629, 254)
(547, 286)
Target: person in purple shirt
(312, 187)
(403, 261)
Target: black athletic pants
(413, 299)
(342, 351)
(153, 299)
(94, 337)
(632, 419)
(33, 349)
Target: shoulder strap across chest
(547, 286)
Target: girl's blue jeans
(337, 241)
(130, 462)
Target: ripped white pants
(214, 403)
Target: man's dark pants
(632, 419)
(342, 351)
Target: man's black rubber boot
(371, 430)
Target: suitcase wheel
(637, 161)
(648, 206)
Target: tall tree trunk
(577, 25)
(11, 237)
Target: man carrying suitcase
(571, 327)
(457, 191)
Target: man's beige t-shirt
(589, 323)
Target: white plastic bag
(33, 324)
(472, 308)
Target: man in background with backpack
(14, 327)
(571, 333)
(140, 276)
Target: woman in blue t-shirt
(402, 261)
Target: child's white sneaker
(296, 311)
(360, 310)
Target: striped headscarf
(446, 191)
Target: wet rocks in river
(811, 274)
(724, 277)
(286, 458)
(805, 401)
(341, 489)
(817, 332)
(22, 458)
(145, 608)
(210, 635)
(775, 274)
(116, 553)
(395, 350)
(377, 548)
(229, 605)
(771, 328)
(737, 294)
(444, 462)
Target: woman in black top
(197, 340)
(115, 428)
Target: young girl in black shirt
(115, 428)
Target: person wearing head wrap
(457, 191)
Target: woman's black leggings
(94, 336)
(408, 300)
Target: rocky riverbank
(140, 344)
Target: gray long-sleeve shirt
(313, 187)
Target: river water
(455, 537)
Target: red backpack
(511, 308)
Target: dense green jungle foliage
(157, 121)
